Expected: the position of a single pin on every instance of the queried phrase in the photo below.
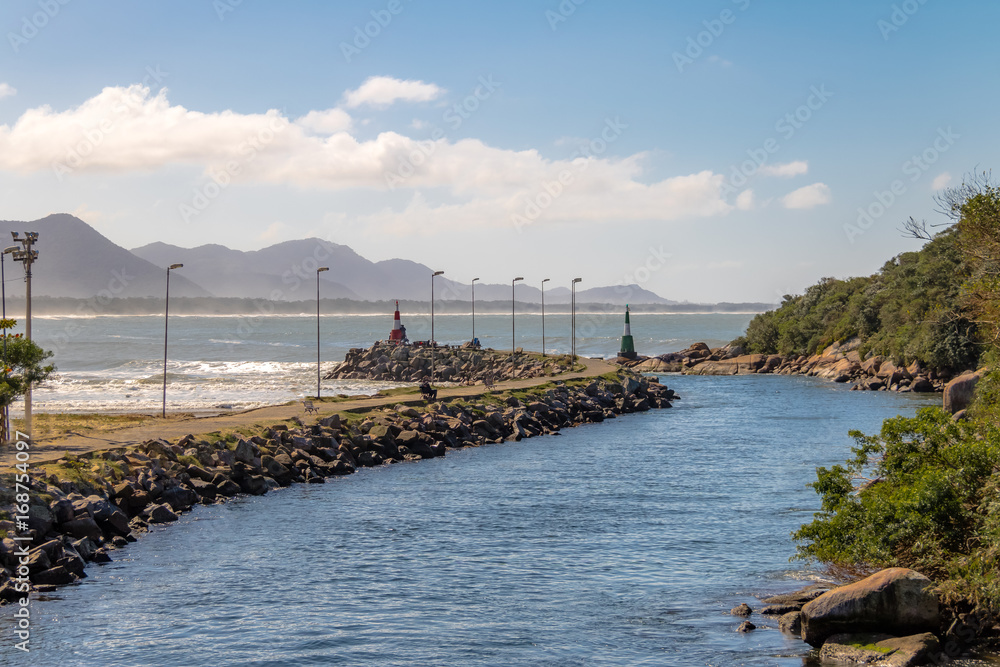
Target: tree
(22, 366)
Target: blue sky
(608, 140)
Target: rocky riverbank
(83, 508)
(464, 365)
(892, 618)
(838, 362)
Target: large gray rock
(959, 392)
(897, 600)
(160, 514)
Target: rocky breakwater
(83, 508)
(893, 618)
(840, 362)
(466, 364)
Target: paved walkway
(48, 449)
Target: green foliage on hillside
(925, 492)
(907, 311)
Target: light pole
(544, 280)
(474, 308)
(513, 344)
(573, 316)
(318, 271)
(433, 344)
(5, 428)
(166, 323)
(27, 256)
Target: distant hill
(75, 260)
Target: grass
(54, 424)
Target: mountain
(75, 260)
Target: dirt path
(47, 449)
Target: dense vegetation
(909, 311)
(924, 492)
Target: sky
(730, 150)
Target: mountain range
(75, 260)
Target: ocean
(234, 363)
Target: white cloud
(941, 181)
(128, 129)
(7, 90)
(810, 196)
(744, 201)
(274, 232)
(327, 122)
(787, 170)
(383, 91)
(721, 61)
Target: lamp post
(573, 316)
(474, 308)
(318, 271)
(544, 280)
(513, 344)
(5, 416)
(166, 323)
(433, 344)
(27, 256)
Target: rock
(160, 514)
(56, 576)
(62, 510)
(912, 650)
(921, 384)
(791, 623)
(959, 392)
(742, 610)
(847, 648)
(245, 451)
(85, 527)
(779, 609)
(896, 600)
(746, 626)
(799, 597)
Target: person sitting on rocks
(428, 393)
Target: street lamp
(27, 256)
(545, 280)
(474, 308)
(166, 323)
(513, 344)
(5, 416)
(433, 344)
(573, 316)
(318, 271)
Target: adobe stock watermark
(221, 178)
(914, 168)
(579, 162)
(900, 16)
(589, 324)
(93, 137)
(363, 35)
(562, 13)
(714, 29)
(787, 126)
(298, 274)
(454, 116)
(92, 307)
(223, 7)
(32, 25)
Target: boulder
(746, 626)
(56, 576)
(85, 527)
(959, 392)
(742, 610)
(160, 514)
(791, 623)
(896, 600)
(881, 649)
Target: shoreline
(85, 506)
